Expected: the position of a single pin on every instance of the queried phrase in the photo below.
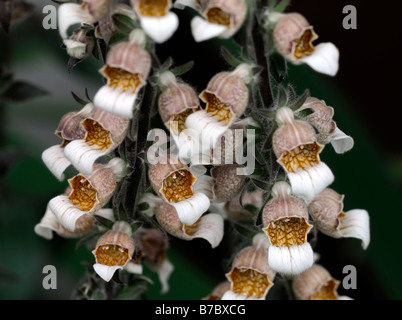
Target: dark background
(364, 94)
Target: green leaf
(103, 221)
(123, 23)
(230, 58)
(20, 91)
(79, 100)
(177, 71)
(282, 96)
(282, 6)
(300, 101)
(278, 66)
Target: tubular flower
(285, 220)
(219, 291)
(156, 19)
(226, 98)
(293, 37)
(103, 133)
(251, 277)
(187, 190)
(316, 283)
(226, 182)
(89, 12)
(297, 151)
(83, 226)
(219, 18)
(176, 102)
(328, 132)
(127, 68)
(208, 227)
(114, 250)
(88, 193)
(327, 212)
(153, 245)
(79, 45)
(69, 129)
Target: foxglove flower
(88, 193)
(176, 102)
(69, 129)
(227, 183)
(297, 151)
(219, 18)
(103, 133)
(316, 283)
(226, 96)
(329, 217)
(127, 67)
(293, 37)
(285, 220)
(79, 45)
(189, 191)
(83, 226)
(328, 131)
(156, 19)
(114, 250)
(251, 277)
(87, 13)
(153, 244)
(208, 227)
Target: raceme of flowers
(190, 199)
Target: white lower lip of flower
(230, 295)
(164, 271)
(203, 183)
(209, 129)
(325, 59)
(82, 155)
(160, 29)
(341, 142)
(181, 4)
(311, 181)
(106, 213)
(56, 161)
(115, 101)
(345, 298)
(210, 228)
(191, 209)
(291, 260)
(47, 225)
(65, 212)
(106, 272)
(203, 30)
(70, 14)
(75, 49)
(356, 224)
(134, 268)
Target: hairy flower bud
(127, 67)
(285, 221)
(297, 151)
(114, 250)
(293, 37)
(327, 212)
(250, 276)
(227, 183)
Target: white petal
(312, 181)
(230, 295)
(191, 209)
(291, 260)
(160, 29)
(164, 271)
(208, 128)
(106, 213)
(75, 49)
(65, 211)
(356, 224)
(82, 155)
(70, 14)
(341, 142)
(115, 101)
(204, 185)
(325, 59)
(134, 268)
(105, 272)
(345, 298)
(47, 225)
(56, 161)
(209, 228)
(152, 201)
(203, 30)
(181, 4)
